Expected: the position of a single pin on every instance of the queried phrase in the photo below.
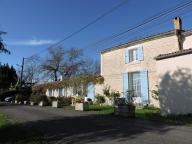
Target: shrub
(35, 98)
(79, 99)
(100, 99)
(18, 97)
(51, 99)
(65, 101)
(43, 98)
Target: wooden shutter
(144, 87)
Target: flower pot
(125, 110)
(32, 103)
(42, 103)
(56, 104)
(16, 101)
(25, 102)
(82, 106)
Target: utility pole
(22, 66)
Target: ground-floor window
(135, 84)
(50, 92)
(61, 93)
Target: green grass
(151, 113)
(105, 110)
(147, 113)
(13, 133)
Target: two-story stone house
(131, 67)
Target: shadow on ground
(90, 128)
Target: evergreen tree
(8, 76)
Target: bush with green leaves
(110, 94)
(18, 97)
(51, 99)
(35, 98)
(64, 101)
(100, 99)
(43, 98)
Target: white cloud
(32, 42)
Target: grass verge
(104, 110)
(147, 113)
(151, 113)
(13, 133)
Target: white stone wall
(187, 42)
(175, 85)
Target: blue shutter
(144, 87)
(125, 84)
(91, 91)
(140, 53)
(126, 56)
(63, 91)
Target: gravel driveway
(60, 126)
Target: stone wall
(113, 64)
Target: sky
(34, 25)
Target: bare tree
(90, 67)
(52, 64)
(32, 70)
(2, 45)
(68, 63)
(73, 62)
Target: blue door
(91, 91)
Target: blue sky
(34, 25)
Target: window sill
(134, 62)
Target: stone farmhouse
(130, 68)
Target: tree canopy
(2, 45)
(8, 76)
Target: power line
(145, 22)
(89, 24)
(151, 27)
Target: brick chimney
(178, 31)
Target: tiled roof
(174, 54)
(145, 39)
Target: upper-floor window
(134, 54)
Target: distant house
(77, 86)
(131, 67)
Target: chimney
(178, 31)
(177, 23)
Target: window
(133, 56)
(50, 92)
(61, 92)
(135, 84)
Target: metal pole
(22, 66)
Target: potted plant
(125, 107)
(43, 101)
(34, 99)
(18, 99)
(80, 105)
(57, 103)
